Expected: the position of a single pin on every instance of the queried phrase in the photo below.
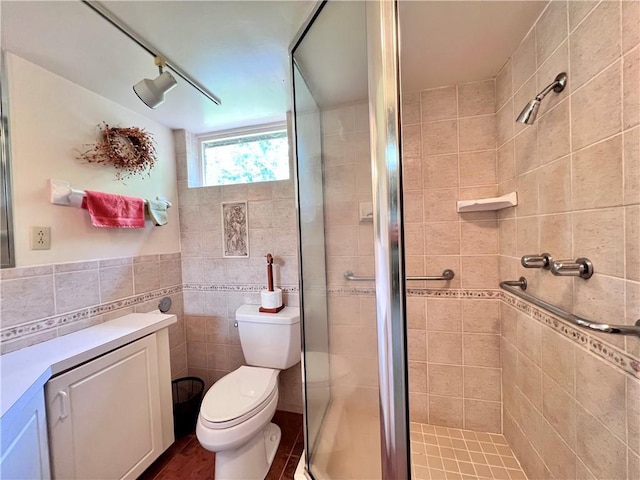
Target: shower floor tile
(441, 453)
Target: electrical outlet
(40, 238)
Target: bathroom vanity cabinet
(92, 404)
(105, 417)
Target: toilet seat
(238, 396)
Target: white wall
(51, 119)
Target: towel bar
(62, 193)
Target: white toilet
(236, 412)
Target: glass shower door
(348, 185)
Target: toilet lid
(238, 395)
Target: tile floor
(441, 453)
(186, 459)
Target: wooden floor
(186, 459)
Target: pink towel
(114, 211)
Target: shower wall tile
(477, 133)
(604, 189)
(506, 167)
(445, 314)
(482, 416)
(439, 104)
(442, 238)
(578, 10)
(632, 246)
(446, 411)
(478, 168)
(459, 161)
(555, 187)
(595, 43)
(476, 98)
(553, 134)
(598, 232)
(411, 108)
(412, 140)
(440, 137)
(526, 150)
(558, 456)
(631, 89)
(630, 25)
(601, 391)
(524, 61)
(596, 109)
(551, 30)
(504, 90)
(441, 171)
(631, 151)
(504, 123)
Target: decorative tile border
(613, 355)
(199, 287)
(458, 293)
(13, 333)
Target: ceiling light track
(150, 49)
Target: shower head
(529, 113)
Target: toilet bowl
(235, 415)
(234, 422)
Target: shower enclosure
(503, 378)
(345, 80)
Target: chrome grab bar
(509, 286)
(447, 274)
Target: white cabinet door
(104, 417)
(25, 454)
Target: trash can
(187, 396)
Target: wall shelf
(487, 204)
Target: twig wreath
(131, 151)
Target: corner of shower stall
(498, 385)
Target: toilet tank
(270, 340)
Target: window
(258, 154)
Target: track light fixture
(152, 92)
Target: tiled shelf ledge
(488, 204)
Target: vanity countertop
(24, 371)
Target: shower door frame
(384, 119)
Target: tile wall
(449, 154)
(567, 412)
(214, 287)
(44, 302)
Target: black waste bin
(187, 396)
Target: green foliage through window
(247, 159)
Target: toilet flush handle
(235, 324)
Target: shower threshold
(441, 453)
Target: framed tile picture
(235, 230)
